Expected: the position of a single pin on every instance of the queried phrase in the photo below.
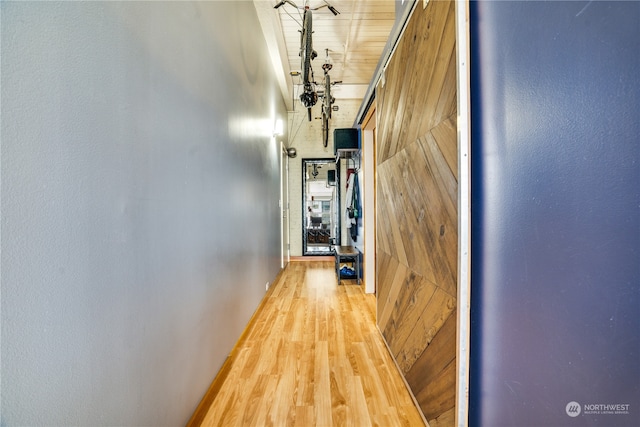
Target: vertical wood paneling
(436, 312)
(445, 135)
(432, 45)
(382, 285)
(417, 208)
(388, 222)
(414, 290)
(395, 285)
(442, 81)
(436, 366)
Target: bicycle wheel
(325, 127)
(327, 94)
(307, 48)
(326, 109)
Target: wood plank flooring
(311, 356)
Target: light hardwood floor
(311, 356)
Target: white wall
(140, 219)
(306, 137)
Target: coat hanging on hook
(353, 205)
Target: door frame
(285, 246)
(336, 204)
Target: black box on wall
(345, 139)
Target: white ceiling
(355, 38)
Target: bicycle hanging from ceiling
(327, 98)
(309, 96)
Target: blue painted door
(555, 98)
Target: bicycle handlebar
(326, 4)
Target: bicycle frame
(306, 6)
(327, 99)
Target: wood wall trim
(370, 114)
(464, 213)
(369, 184)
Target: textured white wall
(140, 219)
(306, 137)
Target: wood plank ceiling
(355, 38)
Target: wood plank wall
(417, 181)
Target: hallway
(311, 355)
(148, 201)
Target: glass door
(320, 196)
